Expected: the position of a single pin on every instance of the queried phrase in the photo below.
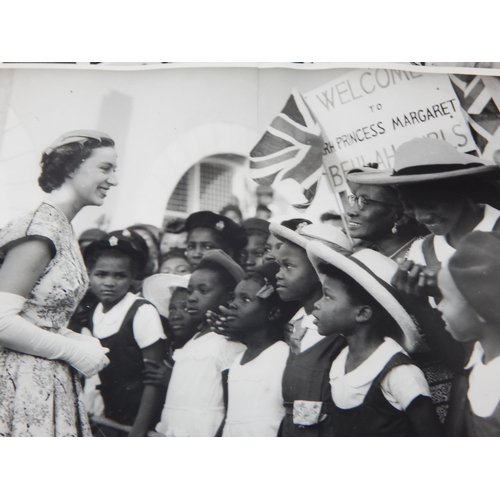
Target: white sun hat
(424, 159)
(373, 271)
(158, 289)
(327, 234)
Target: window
(207, 185)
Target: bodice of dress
(64, 281)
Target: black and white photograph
(250, 250)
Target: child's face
(176, 265)
(200, 241)
(170, 240)
(297, 279)
(271, 248)
(205, 293)
(334, 312)
(111, 279)
(253, 255)
(246, 311)
(461, 320)
(180, 321)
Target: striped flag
(290, 150)
(481, 110)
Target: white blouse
(147, 323)
(400, 386)
(444, 251)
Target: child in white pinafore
(255, 402)
(194, 404)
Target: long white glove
(82, 352)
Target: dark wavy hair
(62, 161)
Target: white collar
(367, 371)
(444, 250)
(299, 314)
(117, 312)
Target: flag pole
(336, 180)
(336, 196)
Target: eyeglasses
(361, 201)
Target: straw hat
(158, 289)
(424, 160)
(373, 271)
(327, 234)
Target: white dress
(255, 398)
(195, 402)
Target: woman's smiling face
(95, 176)
(439, 209)
(378, 215)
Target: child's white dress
(195, 401)
(255, 396)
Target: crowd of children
(220, 328)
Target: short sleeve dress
(38, 396)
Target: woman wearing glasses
(42, 279)
(377, 217)
(442, 189)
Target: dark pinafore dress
(375, 416)
(306, 378)
(121, 381)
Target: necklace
(407, 244)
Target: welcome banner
(366, 114)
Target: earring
(394, 229)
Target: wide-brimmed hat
(373, 271)
(159, 288)
(424, 160)
(327, 234)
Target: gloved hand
(85, 354)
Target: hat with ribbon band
(424, 160)
(373, 271)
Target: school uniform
(306, 391)
(130, 326)
(483, 396)
(371, 400)
(255, 406)
(194, 405)
(435, 251)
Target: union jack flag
(291, 148)
(482, 112)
